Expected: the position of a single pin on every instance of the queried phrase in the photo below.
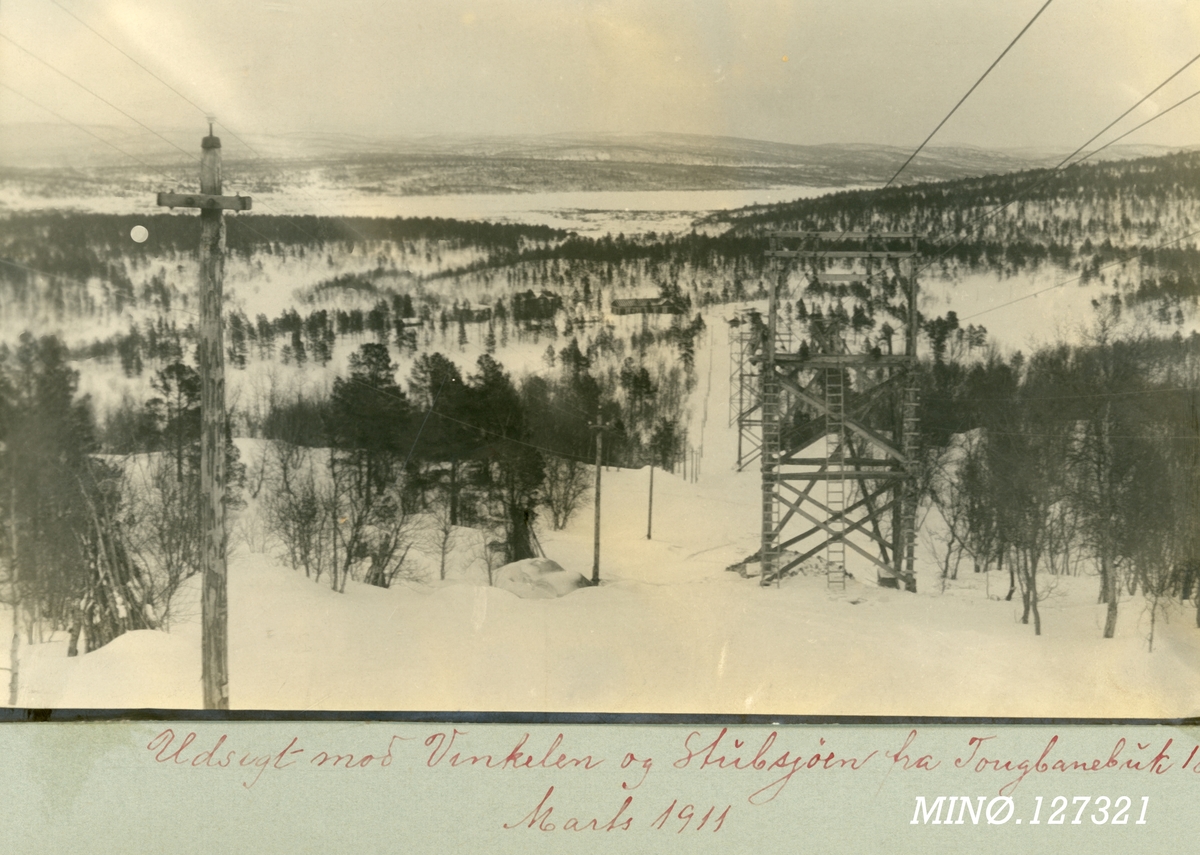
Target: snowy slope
(669, 630)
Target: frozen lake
(592, 213)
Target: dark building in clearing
(643, 306)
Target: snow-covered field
(669, 630)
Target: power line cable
(200, 109)
(104, 39)
(424, 422)
(968, 95)
(986, 215)
(133, 157)
(1179, 103)
(1142, 101)
(231, 132)
(171, 178)
(80, 127)
(99, 97)
(247, 145)
(962, 100)
(130, 155)
(115, 147)
(1119, 261)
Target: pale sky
(794, 71)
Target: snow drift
(538, 578)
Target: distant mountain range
(516, 163)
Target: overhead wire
(961, 100)
(123, 151)
(1140, 102)
(424, 422)
(111, 44)
(99, 97)
(1138, 127)
(90, 133)
(1117, 262)
(258, 155)
(986, 215)
(785, 271)
(235, 222)
(159, 169)
(110, 144)
(198, 108)
(115, 147)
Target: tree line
(66, 563)
(1075, 455)
(96, 545)
(348, 479)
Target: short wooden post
(599, 428)
(650, 509)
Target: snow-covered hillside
(669, 630)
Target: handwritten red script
(757, 767)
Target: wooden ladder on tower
(835, 485)
(911, 448)
(770, 468)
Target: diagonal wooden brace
(864, 432)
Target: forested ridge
(1137, 191)
(1085, 219)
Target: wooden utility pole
(599, 428)
(650, 509)
(214, 605)
(14, 653)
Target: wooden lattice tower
(838, 412)
(747, 334)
